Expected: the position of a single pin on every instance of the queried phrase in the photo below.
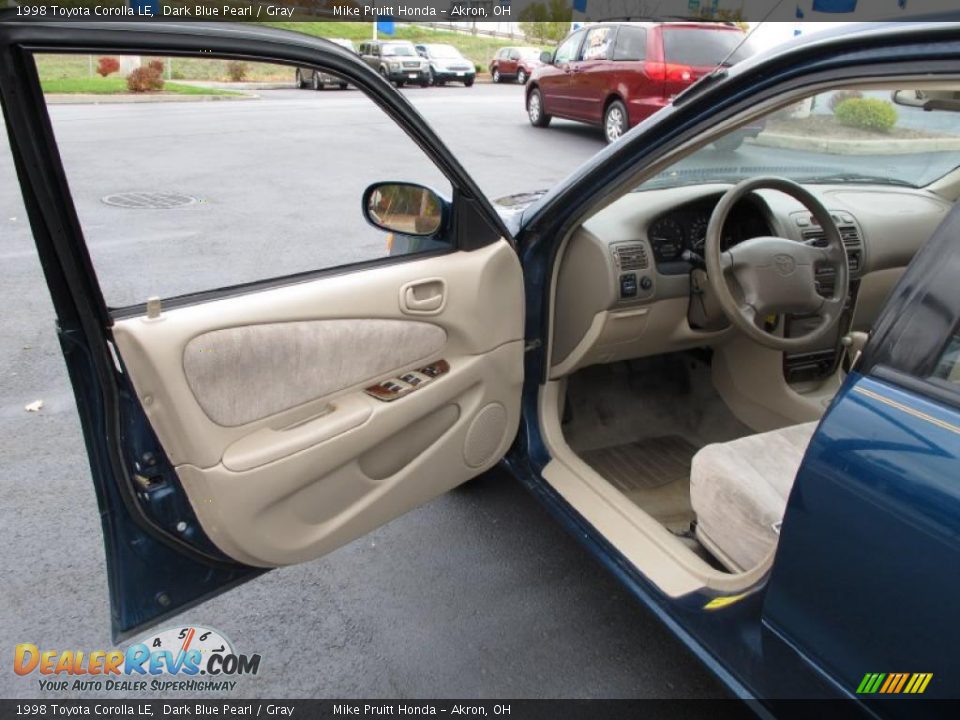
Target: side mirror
(546, 57)
(403, 208)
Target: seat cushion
(739, 492)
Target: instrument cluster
(685, 228)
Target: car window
(631, 44)
(749, 150)
(177, 194)
(443, 52)
(597, 44)
(568, 48)
(399, 50)
(948, 366)
(703, 47)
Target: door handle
(423, 297)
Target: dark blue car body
(866, 575)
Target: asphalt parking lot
(478, 594)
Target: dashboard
(624, 290)
(685, 228)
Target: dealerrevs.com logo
(184, 658)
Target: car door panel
(591, 80)
(259, 401)
(590, 86)
(877, 492)
(556, 81)
(229, 431)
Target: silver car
(308, 77)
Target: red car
(616, 74)
(514, 63)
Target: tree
(546, 23)
(724, 15)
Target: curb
(217, 85)
(132, 99)
(837, 146)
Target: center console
(823, 358)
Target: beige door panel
(482, 310)
(313, 501)
(233, 373)
(259, 402)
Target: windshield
(443, 51)
(847, 136)
(404, 50)
(704, 47)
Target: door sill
(662, 557)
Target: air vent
(631, 257)
(850, 235)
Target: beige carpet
(654, 473)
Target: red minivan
(616, 74)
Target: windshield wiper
(852, 177)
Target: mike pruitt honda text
(415, 11)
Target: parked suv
(514, 63)
(308, 77)
(446, 64)
(616, 74)
(397, 61)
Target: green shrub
(867, 114)
(841, 96)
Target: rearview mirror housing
(546, 57)
(948, 100)
(405, 208)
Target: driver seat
(739, 492)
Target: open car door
(239, 427)
(870, 533)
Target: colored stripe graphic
(900, 684)
(894, 683)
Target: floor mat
(654, 473)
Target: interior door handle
(423, 297)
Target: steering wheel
(774, 275)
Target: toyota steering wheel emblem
(785, 264)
